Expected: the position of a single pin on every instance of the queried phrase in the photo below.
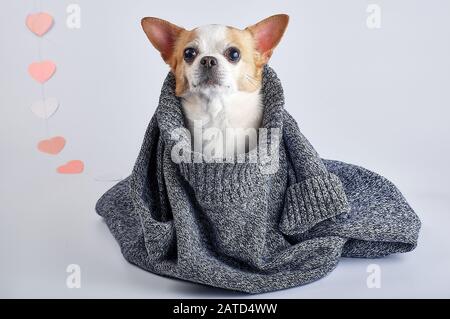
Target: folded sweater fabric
(238, 225)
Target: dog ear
(162, 34)
(268, 33)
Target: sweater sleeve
(314, 194)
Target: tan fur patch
(251, 59)
(176, 62)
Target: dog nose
(208, 62)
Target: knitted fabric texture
(231, 225)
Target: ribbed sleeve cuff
(312, 201)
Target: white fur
(220, 115)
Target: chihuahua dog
(218, 74)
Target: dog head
(216, 58)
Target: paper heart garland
(42, 71)
(45, 108)
(39, 23)
(52, 146)
(71, 167)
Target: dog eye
(190, 54)
(233, 54)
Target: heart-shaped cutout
(53, 145)
(42, 71)
(71, 167)
(45, 108)
(39, 23)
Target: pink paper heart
(71, 167)
(42, 71)
(52, 146)
(39, 23)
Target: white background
(379, 98)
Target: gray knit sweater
(231, 225)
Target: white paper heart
(45, 108)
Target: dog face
(216, 59)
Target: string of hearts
(41, 71)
